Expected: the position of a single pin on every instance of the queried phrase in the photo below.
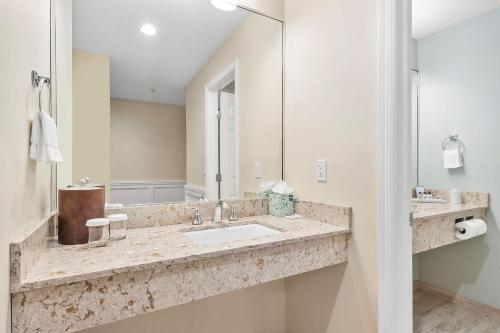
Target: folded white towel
(35, 137)
(44, 146)
(452, 159)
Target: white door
(228, 146)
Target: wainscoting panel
(130, 192)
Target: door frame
(395, 246)
(223, 78)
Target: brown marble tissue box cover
(76, 206)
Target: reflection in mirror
(414, 125)
(168, 97)
(456, 104)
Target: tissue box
(281, 205)
(264, 195)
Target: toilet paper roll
(470, 228)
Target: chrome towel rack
(452, 139)
(39, 82)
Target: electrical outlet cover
(321, 171)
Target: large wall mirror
(168, 100)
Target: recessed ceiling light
(148, 29)
(223, 5)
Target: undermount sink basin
(227, 234)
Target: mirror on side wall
(156, 99)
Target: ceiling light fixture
(148, 30)
(223, 5)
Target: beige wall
(252, 310)
(331, 99)
(331, 113)
(25, 194)
(148, 141)
(257, 46)
(91, 118)
(64, 71)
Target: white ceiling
(189, 32)
(430, 16)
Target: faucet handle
(234, 215)
(197, 217)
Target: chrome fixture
(234, 215)
(84, 181)
(196, 217)
(452, 139)
(39, 82)
(219, 211)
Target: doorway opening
(221, 139)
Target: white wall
(25, 193)
(331, 113)
(460, 93)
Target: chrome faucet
(196, 217)
(219, 211)
(234, 214)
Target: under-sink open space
(228, 234)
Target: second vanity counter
(434, 223)
(69, 288)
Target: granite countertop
(425, 210)
(146, 248)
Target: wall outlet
(321, 171)
(258, 170)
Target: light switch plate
(258, 170)
(321, 171)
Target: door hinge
(411, 219)
(218, 114)
(218, 177)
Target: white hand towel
(50, 147)
(35, 137)
(44, 146)
(452, 159)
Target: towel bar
(37, 79)
(452, 138)
(39, 82)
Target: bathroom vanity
(434, 223)
(195, 122)
(68, 288)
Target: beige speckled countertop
(434, 223)
(424, 210)
(148, 248)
